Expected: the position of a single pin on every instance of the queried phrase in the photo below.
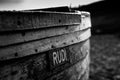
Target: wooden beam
(38, 66)
(24, 36)
(36, 47)
(22, 20)
(78, 71)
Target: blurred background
(105, 39)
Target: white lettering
(64, 57)
(55, 58)
(59, 56)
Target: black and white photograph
(59, 40)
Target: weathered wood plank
(75, 53)
(21, 20)
(43, 45)
(24, 36)
(85, 19)
(37, 67)
(79, 71)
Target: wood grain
(24, 36)
(22, 20)
(37, 67)
(43, 45)
(27, 39)
(78, 71)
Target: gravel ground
(105, 57)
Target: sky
(37, 4)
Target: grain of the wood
(19, 20)
(36, 67)
(27, 52)
(43, 45)
(85, 76)
(75, 72)
(8, 39)
(75, 53)
(23, 68)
